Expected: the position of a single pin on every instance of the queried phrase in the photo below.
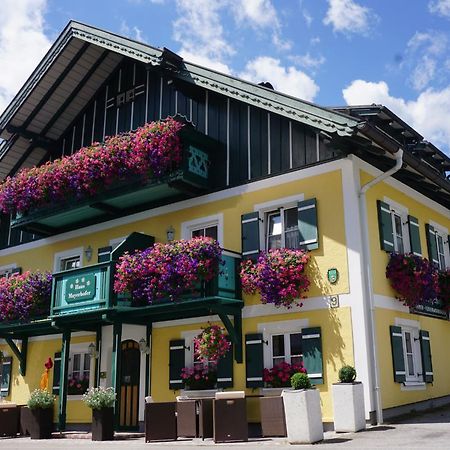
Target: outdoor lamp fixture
(93, 353)
(170, 233)
(88, 253)
(143, 347)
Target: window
(438, 246)
(69, 263)
(286, 347)
(79, 373)
(282, 229)
(411, 352)
(397, 226)
(9, 271)
(210, 226)
(68, 259)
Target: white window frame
(441, 231)
(66, 254)
(81, 349)
(402, 212)
(285, 327)
(203, 222)
(266, 208)
(7, 269)
(188, 337)
(412, 382)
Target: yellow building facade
(268, 161)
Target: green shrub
(41, 399)
(347, 374)
(98, 398)
(300, 381)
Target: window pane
(87, 362)
(277, 360)
(408, 342)
(274, 242)
(278, 345)
(398, 230)
(198, 233)
(296, 344)
(296, 360)
(275, 227)
(211, 232)
(291, 219)
(410, 365)
(70, 263)
(76, 362)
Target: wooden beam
(20, 354)
(34, 138)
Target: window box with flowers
(25, 297)
(168, 271)
(120, 173)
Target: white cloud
(133, 32)
(347, 16)
(23, 43)
(288, 80)
(308, 61)
(440, 7)
(260, 14)
(204, 61)
(424, 52)
(428, 113)
(200, 32)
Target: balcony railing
(128, 196)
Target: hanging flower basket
(151, 151)
(414, 278)
(280, 374)
(444, 289)
(25, 297)
(167, 270)
(278, 276)
(211, 344)
(201, 376)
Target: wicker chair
(230, 417)
(9, 419)
(160, 422)
(273, 422)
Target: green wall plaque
(80, 288)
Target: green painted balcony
(128, 196)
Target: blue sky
(332, 52)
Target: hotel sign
(80, 288)
(432, 308)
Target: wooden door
(129, 385)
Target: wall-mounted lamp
(170, 233)
(88, 253)
(143, 347)
(93, 353)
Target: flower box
(125, 174)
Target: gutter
(369, 304)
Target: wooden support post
(238, 330)
(148, 384)
(20, 354)
(63, 380)
(98, 348)
(115, 369)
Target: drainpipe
(369, 306)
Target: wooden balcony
(128, 196)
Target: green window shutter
(250, 235)
(307, 224)
(104, 254)
(225, 369)
(16, 271)
(431, 244)
(56, 373)
(254, 360)
(398, 359)
(414, 235)
(312, 354)
(427, 366)
(385, 226)
(176, 363)
(6, 376)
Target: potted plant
(101, 401)
(278, 276)
(41, 414)
(348, 402)
(302, 411)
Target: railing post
(63, 383)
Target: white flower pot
(303, 416)
(348, 407)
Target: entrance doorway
(129, 385)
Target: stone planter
(303, 416)
(103, 424)
(41, 423)
(198, 393)
(272, 392)
(348, 407)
